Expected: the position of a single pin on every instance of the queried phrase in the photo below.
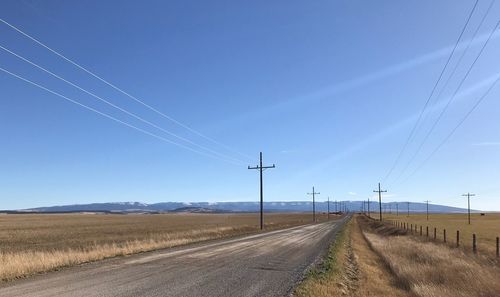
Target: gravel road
(266, 264)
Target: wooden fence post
(474, 247)
(444, 235)
(458, 238)
(498, 247)
(420, 230)
(434, 233)
(411, 228)
(427, 231)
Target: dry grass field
(31, 243)
(427, 269)
(486, 228)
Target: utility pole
(397, 209)
(261, 169)
(427, 201)
(314, 206)
(468, 203)
(369, 208)
(328, 207)
(379, 191)
(408, 208)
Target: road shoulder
(350, 269)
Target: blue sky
(328, 90)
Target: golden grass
(374, 278)
(486, 228)
(427, 269)
(34, 243)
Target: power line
(438, 119)
(107, 115)
(464, 52)
(412, 132)
(466, 49)
(466, 116)
(118, 107)
(121, 90)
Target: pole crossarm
(263, 167)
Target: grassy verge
(328, 279)
(427, 269)
(352, 268)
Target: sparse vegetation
(351, 269)
(35, 243)
(429, 269)
(321, 281)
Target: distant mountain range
(215, 207)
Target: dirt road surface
(266, 264)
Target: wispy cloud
(290, 151)
(487, 143)
(350, 84)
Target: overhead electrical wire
(412, 132)
(118, 107)
(122, 91)
(471, 40)
(464, 52)
(110, 117)
(452, 132)
(448, 103)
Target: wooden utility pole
(408, 214)
(369, 208)
(468, 195)
(328, 207)
(261, 169)
(314, 206)
(427, 203)
(397, 209)
(379, 191)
